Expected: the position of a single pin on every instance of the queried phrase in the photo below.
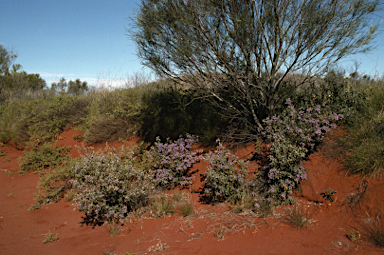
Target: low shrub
(107, 187)
(225, 177)
(172, 161)
(40, 156)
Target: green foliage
(334, 93)
(10, 116)
(112, 115)
(49, 116)
(238, 54)
(41, 156)
(172, 110)
(36, 206)
(53, 183)
(364, 139)
(71, 87)
(328, 194)
(50, 238)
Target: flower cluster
(172, 161)
(292, 137)
(225, 177)
(107, 187)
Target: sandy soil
(213, 230)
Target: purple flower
(288, 101)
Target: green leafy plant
(2, 153)
(50, 238)
(36, 206)
(6, 160)
(328, 194)
(41, 156)
(354, 235)
(10, 195)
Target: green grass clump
(364, 141)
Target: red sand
(23, 232)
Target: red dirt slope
(213, 230)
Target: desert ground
(212, 229)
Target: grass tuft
(373, 229)
(298, 216)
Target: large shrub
(108, 188)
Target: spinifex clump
(172, 161)
(292, 137)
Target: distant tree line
(16, 83)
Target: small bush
(50, 238)
(33, 207)
(41, 156)
(108, 187)
(172, 161)
(225, 177)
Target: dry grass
(372, 228)
(298, 216)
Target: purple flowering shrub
(172, 160)
(225, 177)
(107, 187)
(293, 136)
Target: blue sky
(87, 39)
